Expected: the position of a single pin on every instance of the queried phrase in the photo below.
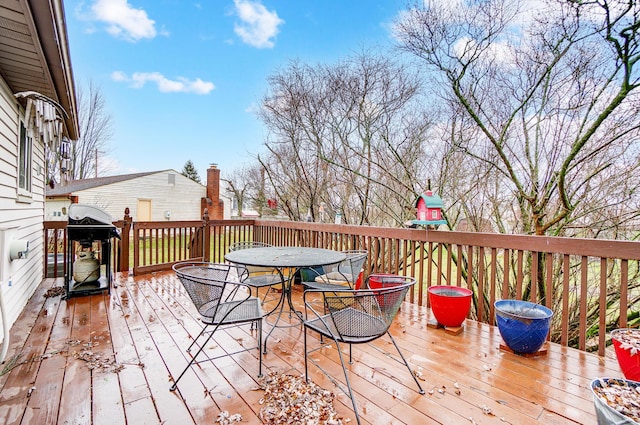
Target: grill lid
(88, 215)
(87, 223)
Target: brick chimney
(215, 204)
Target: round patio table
(285, 258)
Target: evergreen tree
(189, 170)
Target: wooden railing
(565, 274)
(55, 241)
(576, 278)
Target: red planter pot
(450, 304)
(626, 343)
(382, 280)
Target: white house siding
(182, 199)
(19, 219)
(227, 206)
(56, 209)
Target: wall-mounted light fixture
(18, 249)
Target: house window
(434, 214)
(24, 160)
(172, 179)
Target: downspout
(5, 328)
(6, 236)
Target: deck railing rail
(577, 278)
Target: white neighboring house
(37, 108)
(164, 195)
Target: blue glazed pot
(523, 325)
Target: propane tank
(86, 268)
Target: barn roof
(431, 200)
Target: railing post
(125, 242)
(206, 236)
(136, 249)
(58, 239)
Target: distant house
(474, 224)
(249, 214)
(37, 111)
(164, 195)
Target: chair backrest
(251, 270)
(205, 283)
(354, 262)
(349, 269)
(248, 244)
(368, 313)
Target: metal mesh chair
(248, 244)
(341, 276)
(355, 317)
(220, 302)
(259, 277)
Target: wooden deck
(138, 335)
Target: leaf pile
(54, 291)
(620, 396)
(629, 340)
(95, 361)
(225, 418)
(289, 399)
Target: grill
(89, 234)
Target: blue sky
(180, 78)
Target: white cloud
(259, 26)
(118, 76)
(179, 85)
(500, 51)
(123, 20)
(253, 108)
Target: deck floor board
(146, 323)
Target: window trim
(24, 177)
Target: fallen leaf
(290, 399)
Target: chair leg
(193, 358)
(348, 392)
(420, 390)
(346, 378)
(264, 297)
(253, 324)
(201, 348)
(202, 331)
(259, 326)
(306, 363)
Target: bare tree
(95, 133)
(246, 183)
(548, 115)
(346, 138)
(293, 114)
(541, 119)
